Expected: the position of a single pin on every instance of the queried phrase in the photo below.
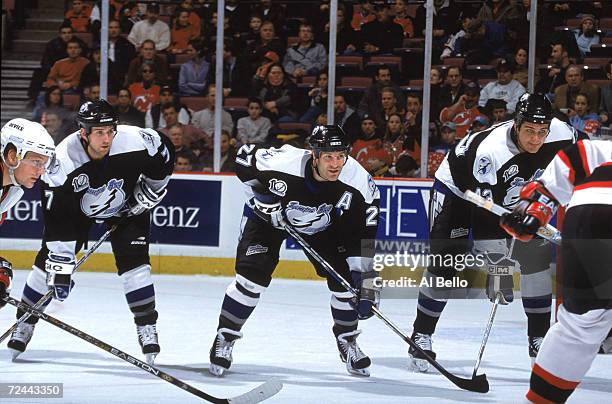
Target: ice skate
(418, 361)
(357, 362)
(147, 338)
(221, 350)
(20, 339)
(534, 347)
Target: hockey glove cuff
(144, 198)
(59, 268)
(270, 211)
(368, 294)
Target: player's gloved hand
(534, 210)
(6, 277)
(144, 198)
(59, 269)
(368, 293)
(499, 266)
(270, 210)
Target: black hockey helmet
(535, 108)
(96, 113)
(328, 138)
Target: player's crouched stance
(333, 202)
(581, 178)
(105, 173)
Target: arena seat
(195, 103)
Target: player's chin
(333, 175)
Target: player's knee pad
(589, 328)
(36, 286)
(245, 291)
(342, 312)
(137, 278)
(536, 285)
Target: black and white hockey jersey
(342, 212)
(491, 164)
(76, 189)
(581, 174)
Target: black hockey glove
(269, 209)
(368, 293)
(499, 267)
(144, 198)
(6, 277)
(59, 269)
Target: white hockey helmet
(26, 136)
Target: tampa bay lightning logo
(308, 219)
(484, 166)
(105, 201)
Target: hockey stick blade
(258, 394)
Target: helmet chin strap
(11, 172)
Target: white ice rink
(288, 337)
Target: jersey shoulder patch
(354, 175)
(492, 153)
(132, 138)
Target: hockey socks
(240, 300)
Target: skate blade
(216, 370)
(359, 372)
(150, 358)
(419, 365)
(14, 354)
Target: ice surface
(288, 337)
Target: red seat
(350, 60)
(590, 61)
(72, 101)
(355, 81)
(295, 126)
(454, 62)
(235, 102)
(195, 103)
(309, 80)
(605, 24)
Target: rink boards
(196, 227)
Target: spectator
(53, 101)
(235, 71)
(90, 93)
(556, 71)
(581, 116)
(184, 161)
(306, 57)
(347, 40)
(189, 135)
(154, 117)
(496, 110)
(210, 31)
(183, 32)
(170, 114)
(56, 49)
(401, 17)
(565, 95)
(228, 153)
(194, 19)
(605, 105)
(586, 35)
(381, 35)
(504, 88)
(405, 167)
(464, 111)
(274, 13)
(368, 150)
(436, 90)
(521, 67)
(152, 28)
(54, 124)
(480, 123)
(371, 102)
(205, 119)
(78, 16)
(364, 15)
(483, 42)
(446, 15)
(193, 73)
(238, 15)
(148, 54)
(318, 99)
(145, 92)
(278, 93)
(120, 50)
(177, 137)
(127, 114)
(452, 47)
(412, 119)
(395, 137)
(66, 73)
(91, 73)
(389, 106)
(368, 130)
(504, 12)
(253, 128)
(202, 149)
(346, 117)
(252, 34)
(128, 16)
(257, 51)
(454, 88)
(448, 138)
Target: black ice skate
(147, 338)
(221, 350)
(357, 362)
(20, 338)
(534, 347)
(417, 359)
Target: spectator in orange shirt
(145, 93)
(364, 15)
(194, 18)
(148, 54)
(464, 111)
(66, 73)
(182, 32)
(402, 18)
(78, 16)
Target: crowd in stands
(275, 58)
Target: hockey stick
(485, 336)
(549, 232)
(260, 393)
(478, 383)
(49, 293)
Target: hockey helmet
(26, 136)
(535, 108)
(328, 138)
(96, 113)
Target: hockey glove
(270, 210)
(499, 267)
(6, 276)
(59, 268)
(534, 210)
(368, 295)
(144, 198)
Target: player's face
(99, 141)
(30, 169)
(531, 136)
(329, 165)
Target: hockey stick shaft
(262, 392)
(485, 336)
(549, 232)
(476, 383)
(43, 300)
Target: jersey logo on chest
(105, 201)
(309, 219)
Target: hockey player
(333, 202)
(581, 178)
(495, 163)
(108, 173)
(27, 150)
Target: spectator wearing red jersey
(78, 16)
(464, 111)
